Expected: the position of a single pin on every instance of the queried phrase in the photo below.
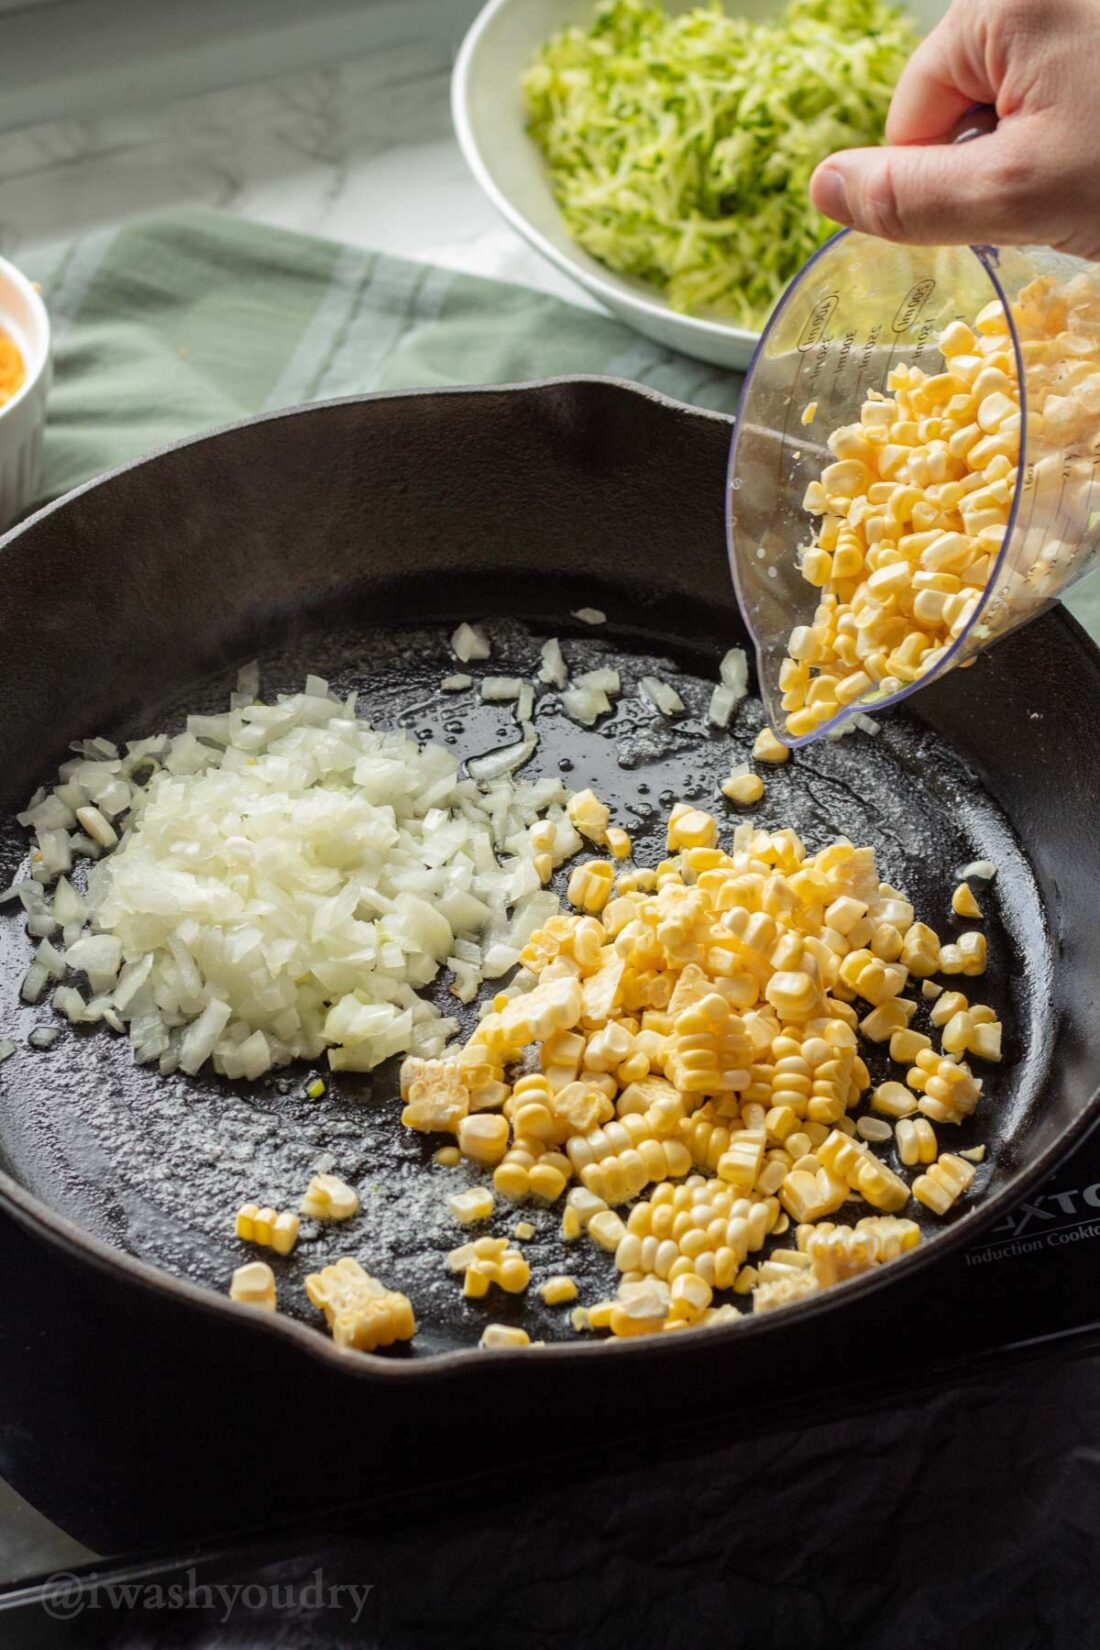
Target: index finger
(940, 82)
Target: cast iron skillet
(346, 539)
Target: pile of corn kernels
(914, 511)
(690, 1046)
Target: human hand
(1036, 179)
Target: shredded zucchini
(680, 148)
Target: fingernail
(831, 194)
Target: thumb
(935, 194)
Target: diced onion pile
(286, 879)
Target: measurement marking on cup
(912, 304)
(813, 332)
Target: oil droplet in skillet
(455, 726)
(565, 765)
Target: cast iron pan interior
(346, 540)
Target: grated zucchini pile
(680, 147)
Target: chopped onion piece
(248, 680)
(51, 814)
(34, 983)
(554, 671)
(530, 914)
(114, 799)
(43, 1037)
(866, 724)
(507, 758)
(7, 1049)
(98, 828)
(602, 681)
(722, 706)
(197, 1044)
(525, 703)
(456, 684)
(68, 1001)
(590, 615)
(470, 642)
(68, 905)
(499, 689)
(97, 955)
(734, 672)
(55, 854)
(661, 696)
(983, 868)
(51, 960)
(584, 705)
(499, 959)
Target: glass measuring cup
(860, 308)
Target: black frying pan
(346, 539)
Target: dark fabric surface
(967, 1517)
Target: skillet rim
(60, 1231)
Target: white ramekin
(23, 419)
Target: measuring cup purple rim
(987, 256)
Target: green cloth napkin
(180, 323)
(177, 324)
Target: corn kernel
(690, 828)
(619, 842)
(498, 1336)
(571, 1226)
(254, 1285)
(640, 1308)
(945, 1182)
(606, 1229)
(447, 1157)
(916, 1141)
(483, 1137)
(361, 1312)
(745, 789)
(767, 748)
(589, 816)
(557, 1291)
(329, 1198)
(472, 1206)
(435, 1094)
(267, 1227)
(488, 1260)
(963, 902)
(590, 885)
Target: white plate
(488, 114)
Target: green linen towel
(176, 324)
